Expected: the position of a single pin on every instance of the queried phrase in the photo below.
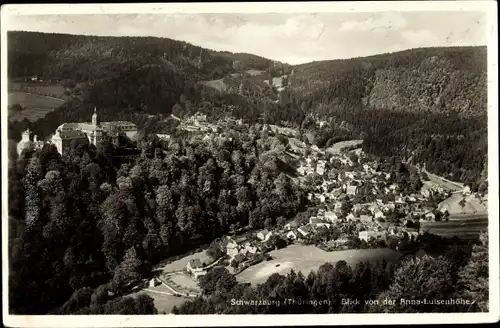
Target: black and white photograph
(294, 159)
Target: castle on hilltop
(91, 132)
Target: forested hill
(87, 58)
(427, 104)
(419, 80)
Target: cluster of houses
(338, 183)
(199, 123)
(239, 252)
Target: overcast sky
(291, 38)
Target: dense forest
(92, 223)
(89, 58)
(451, 275)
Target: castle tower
(95, 120)
(25, 142)
(26, 135)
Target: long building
(92, 132)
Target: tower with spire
(97, 131)
(95, 119)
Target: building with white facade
(90, 132)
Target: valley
(239, 176)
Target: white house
(351, 190)
(389, 207)
(393, 187)
(153, 282)
(317, 222)
(426, 193)
(195, 268)
(411, 199)
(365, 218)
(350, 217)
(366, 235)
(330, 216)
(305, 230)
(379, 214)
(466, 191)
(264, 235)
(231, 247)
(250, 249)
(291, 235)
(350, 175)
(430, 216)
(322, 198)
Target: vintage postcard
(231, 164)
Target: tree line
(372, 287)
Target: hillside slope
(84, 58)
(426, 104)
(423, 80)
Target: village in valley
(356, 202)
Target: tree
(418, 279)
(16, 108)
(217, 280)
(473, 278)
(214, 250)
(276, 242)
(462, 202)
(281, 222)
(129, 271)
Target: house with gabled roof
(291, 235)
(305, 230)
(264, 235)
(366, 235)
(351, 190)
(330, 216)
(318, 222)
(195, 268)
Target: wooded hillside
(428, 104)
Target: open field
(472, 205)
(180, 264)
(35, 106)
(184, 281)
(53, 90)
(309, 258)
(462, 226)
(337, 147)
